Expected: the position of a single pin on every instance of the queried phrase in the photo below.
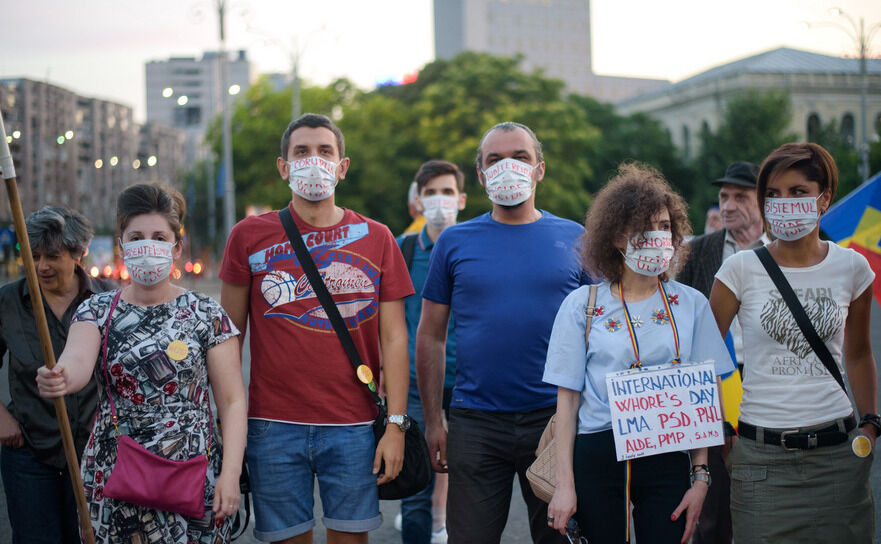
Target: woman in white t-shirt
(799, 472)
(636, 228)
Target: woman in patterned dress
(165, 345)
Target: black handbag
(415, 475)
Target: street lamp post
(862, 38)
(229, 198)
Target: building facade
(187, 93)
(79, 151)
(822, 89)
(552, 35)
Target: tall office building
(187, 93)
(80, 151)
(553, 35)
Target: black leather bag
(416, 472)
(415, 475)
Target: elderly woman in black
(32, 459)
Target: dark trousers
(39, 500)
(416, 515)
(714, 526)
(484, 451)
(416, 510)
(658, 483)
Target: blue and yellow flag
(855, 222)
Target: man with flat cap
(742, 230)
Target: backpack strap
(408, 248)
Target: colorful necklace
(638, 364)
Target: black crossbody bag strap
(798, 312)
(330, 308)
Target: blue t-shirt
(413, 308)
(610, 347)
(503, 284)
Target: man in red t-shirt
(309, 416)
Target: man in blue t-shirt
(502, 276)
(440, 194)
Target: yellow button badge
(177, 350)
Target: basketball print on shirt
(778, 322)
(352, 280)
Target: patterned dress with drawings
(162, 403)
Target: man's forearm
(430, 368)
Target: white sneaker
(399, 520)
(439, 536)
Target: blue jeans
(416, 510)
(285, 459)
(39, 500)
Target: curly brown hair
(625, 206)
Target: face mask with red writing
(650, 254)
(312, 178)
(792, 218)
(148, 261)
(509, 182)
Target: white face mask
(651, 253)
(509, 182)
(148, 261)
(792, 218)
(312, 178)
(440, 211)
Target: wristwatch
(401, 420)
(704, 476)
(873, 420)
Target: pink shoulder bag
(146, 479)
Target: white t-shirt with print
(785, 384)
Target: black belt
(795, 439)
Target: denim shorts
(284, 459)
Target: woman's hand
(52, 383)
(10, 432)
(226, 495)
(692, 502)
(562, 507)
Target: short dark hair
(808, 158)
(146, 198)
(313, 120)
(55, 228)
(510, 126)
(625, 206)
(434, 168)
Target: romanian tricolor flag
(855, 222)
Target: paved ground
(517, 530)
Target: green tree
(637, 137)
(390, 131)
(754, 123)
(846, 157)
(258, 122)
(458, 100)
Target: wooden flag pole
(8, 170)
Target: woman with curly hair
(634, 235)
(800, 469)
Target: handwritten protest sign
(664, 408)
